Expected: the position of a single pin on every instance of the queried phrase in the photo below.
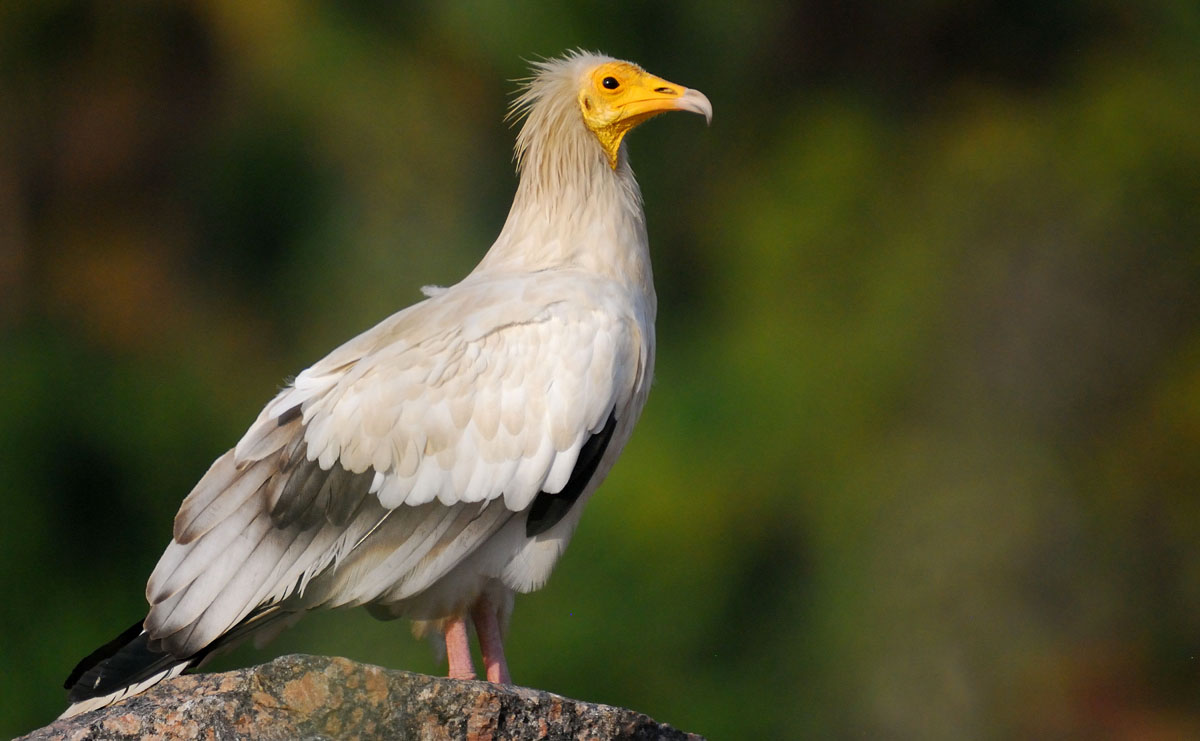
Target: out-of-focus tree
(921, 459)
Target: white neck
(571, 209)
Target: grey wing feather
(426, 435)
(222, 490)
(285, 555)
(298, 495)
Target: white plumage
(439, 461)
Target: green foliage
(921, 459)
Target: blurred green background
(923, 455)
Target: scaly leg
(491, 642)
(458, 649)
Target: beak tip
(697, 102)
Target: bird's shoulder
(488, 387)
(479, 307)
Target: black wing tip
(548, 509)
(128, 660)
(105, 652)
(132, 666)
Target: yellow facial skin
(619, 96)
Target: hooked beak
(655, 95)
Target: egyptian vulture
(438, 462)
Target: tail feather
(132, 662)
(98, 701)
(104, 652)
(123, 666)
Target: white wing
(394, 458)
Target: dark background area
(923, 455)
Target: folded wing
(389, 462)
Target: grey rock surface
(317, 697)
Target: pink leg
(491, 643)
(458, 649)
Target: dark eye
(610, 83)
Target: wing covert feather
(387, 463)
(491, 399)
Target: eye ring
(610, 83)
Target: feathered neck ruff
(571, 206)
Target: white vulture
(438, 462)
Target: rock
(317, 697)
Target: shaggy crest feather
(547, 101)
(554, 145)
